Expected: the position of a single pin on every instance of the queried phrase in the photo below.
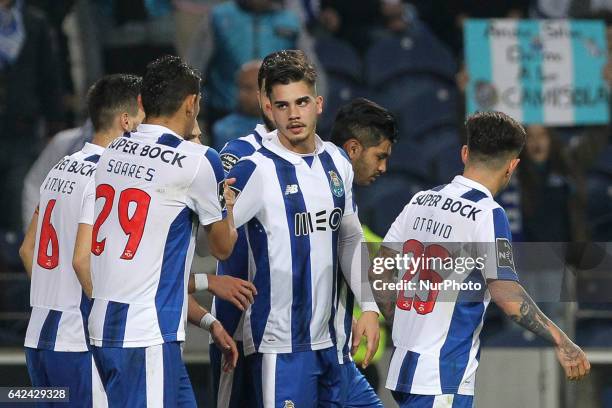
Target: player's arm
(201, 317)
(509, 295)
(81, 257)
(26, 251)
(349, 256)
(222, 235)
(518, 305)
(381, 275)
(237, 291)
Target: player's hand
(367, 326)
(228, 194)
(572, 359)
(226, 344)
(239, 292)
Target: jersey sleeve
(205, 195)
(233, 151)
(89, 202)
(248, 188)
(495, 240)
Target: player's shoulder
(340, 158)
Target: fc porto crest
(336, 184)
(289, 404)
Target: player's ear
(353, 148)
(139, 100)
(513, 165)
(319, 101)
(190, 105)
(465, 154)
(124, 121)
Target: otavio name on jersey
(168, 156)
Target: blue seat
(340, 90)
(339, 58)
(599, 204)
(419, 102)
(416, 50)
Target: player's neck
(487, 180)
(105, 138)
(174, 124)
(306, 146)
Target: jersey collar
(90, 148)
(472, 184)
(155, 131)
(274, 145)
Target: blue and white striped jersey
(149, 184)
(59, 307)
(293, 206)
(237, 265)
(436, 331)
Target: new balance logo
(291, 189)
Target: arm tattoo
(532, 318)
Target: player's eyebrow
(302, 99)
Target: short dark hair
(365, 121)
(167, 82)
(494, 135)
(275, 58)
(111, 95)
(295, 68)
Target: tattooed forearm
(532, 318)
(385, 299)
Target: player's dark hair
(365, 121)
(277, 57)
(111, 95)
(494, 135)
(167, 82)
(288, 70)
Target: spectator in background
(548, 175)
(247, 115)
(30, 96)
(240, 31)
(360, 22)
(188, 15)
(124, 36)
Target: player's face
(371, 162)
(196, 134)
(294, 108)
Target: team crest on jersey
(336, 184)
(289, 404)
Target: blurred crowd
(404, 55)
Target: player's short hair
(271, 60)
(167, 82)
(365, 121)
(110, 96)
(494, 136)
(294, 68)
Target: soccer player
(366, 132)
(436, 331)
(295, 196)
(235, 389)
(149, 184)
(57, 344)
